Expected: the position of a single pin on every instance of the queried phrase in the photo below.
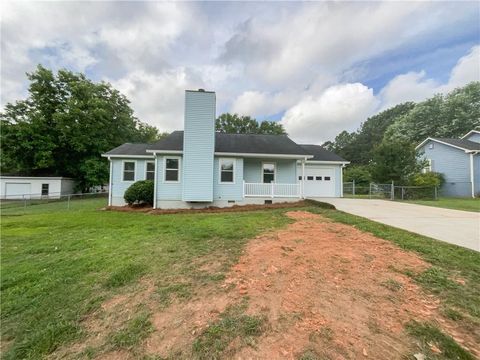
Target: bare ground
(324, 287)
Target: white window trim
(220, 171)
(274, 171)
(134, 171)
(154, 168)
(165, 169)
(427, 168)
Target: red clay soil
(334, 290)
(322, 286)
(211, 209)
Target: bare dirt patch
(324, 288)
(331, 289)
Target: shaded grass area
(430, 336)
(466, 204)
(233, 324)
(59, 266)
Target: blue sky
(317, 67)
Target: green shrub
(140, 192)
(428, 179)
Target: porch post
(155, 182)
(303, 179)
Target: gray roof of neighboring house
(321, 154)
(130, 149)
(238, 143)
(462, 143)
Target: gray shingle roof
(462, 143)
(234, 143)
(238, 143)
(321, 154)
(130, 149)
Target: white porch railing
(271, 190)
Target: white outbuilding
(34, 187)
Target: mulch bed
(211, 209)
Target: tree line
(67, 121)
(383, 148)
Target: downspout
(472, 174)
(303, 178)
(341, 180)
(155, 182)
(110, 183)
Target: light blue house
(198, 167)
(458, 160)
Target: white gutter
(440, 142)
(328, 162)
(472, 173)
(146, 156)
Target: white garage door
(319, 181)
(16, 190)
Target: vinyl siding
(474, 137)
(199, 146)
(286, 170)
(454, 164)
(119, 186)
(228, 191)
(168, 190)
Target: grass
(233, 324)
(466, 204)
(57, 266)
(133, 333)
(429, 336)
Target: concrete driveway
(453, 226)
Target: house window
(45, 188)
(227, 170)
(428, 166)
(327, 178)
(150, 170)
(310, 178)
(268, 172)
(431, 145)
(300, 177)
(172, 166)
(129, 171)
(318, 178)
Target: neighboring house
(34, 187)
(199, 167)
(458, 160)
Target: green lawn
(466, 204)
(57, 266)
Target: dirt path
(325, 289)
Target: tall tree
(65, 124)
(236, 124)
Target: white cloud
(415, 86)
(158, 99)
(316, 119)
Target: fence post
(392, 192)
(403, 190)
(24, 204)
(68, 202)
(353, 187)
(436, 194)
(370, 191)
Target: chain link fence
(389, 191)
(37, 203)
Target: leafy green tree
(236, 124)
(65, 124)
(360, 174)
(395, 161)
(427, 179)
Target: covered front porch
(271, 178)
